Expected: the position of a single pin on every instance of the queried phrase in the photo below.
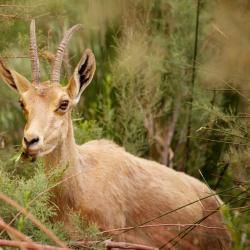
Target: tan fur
(112, 187)
(116, 189)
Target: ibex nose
(31, 141)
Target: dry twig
(35, 221)
(13, 231)
(161, 225)
(108, 244)
(15, 234)
(28, 245)
(170, 134)
(41, 194)
(111, 244)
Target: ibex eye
(64, 105)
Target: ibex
(109, 187)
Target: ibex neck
(66, 151)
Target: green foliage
(34, 194)
(233, 223)
(84, 230)
(87, 130)
(144, 53)
(27, 192)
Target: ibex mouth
(27, 156)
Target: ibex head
(47, 105)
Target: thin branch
(111, 244)
(186, 231)
(17, 234)
(178, 208)
(190, 107)
(19, 6)
(205, 181)
(237, 116)
(42, 193)
(202, 68)
(35, 221)
(41, 15)
(220, 131)
(234, 89)
(12, 16)
(14, 57)
(28, 245)
(222, 141)
(161, 225)
(222, 173)
(171, 130)
(13, 231)
(7, 16)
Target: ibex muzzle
(47, 105)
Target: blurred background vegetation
(147, 94)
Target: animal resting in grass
(107, 185)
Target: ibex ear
(82, 76)
(13, 79)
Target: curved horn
(55, 76)
(34, 53)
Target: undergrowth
(140, 95)
(33, 192)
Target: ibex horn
(34, 53)
(55, 76)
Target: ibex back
(110, 187)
